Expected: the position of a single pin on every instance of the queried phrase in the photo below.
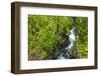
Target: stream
(68, 50)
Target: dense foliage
(82, 25)
(44, 33)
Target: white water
(72, 39)
(61, 56)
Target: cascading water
(72, 38)
(65, 54)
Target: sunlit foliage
(44, 32)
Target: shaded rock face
(60, 49)
(67, 49)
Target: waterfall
(72, 38)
